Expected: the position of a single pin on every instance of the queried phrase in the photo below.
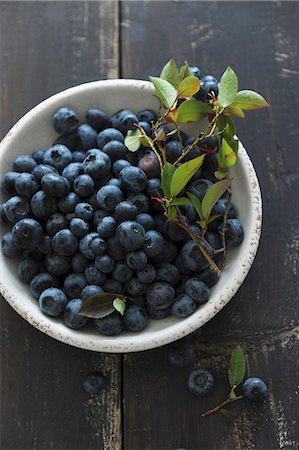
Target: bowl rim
(139, 342)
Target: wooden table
(49, 46)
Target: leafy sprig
(101, 305)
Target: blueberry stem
(226, 402)
(150, 144)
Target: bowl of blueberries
(81, 216)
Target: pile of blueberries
(85, 220)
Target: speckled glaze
(35, 130)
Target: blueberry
(200, 382)
(84, 211)
(85, 245)
(8, 182)
(208, 89)
(173, 231)
(255, 389)
(106, 227)
(153, 242)
(109, 196)
(43, 206)
(52, 302)
(68, 141)
(24, 163)
(83, 186)
(181, 266)
(183, 306)
(167, 272)
(135, 318)
(99, 214)
(136, 260)
(149, 164)
(67, 204)
(113, 286)
(133, 179)
(27, 269)
(55, 185)
(173, 151)
(110, 325)
(79, 262)
(88, 291)
(147, 115)
(79, 227)
(56, 222)
(222, 206)
(234, 233)
(86, 138)
(107, 135)
(57, 264)
(140, 201)
(168, 252)
(125, 211)
(73, 284)
(192, 257)
(39, 257)
(199, 187)
(114, 249)
(131, 235)
(156, 313)
(208, 276)
(122, 272)
(26, 184)
(160, 295)
(78, 156)
(37, 155)
(16, 208)
(8, 247)
(41, 282)
(135, 287)
(189, 212)
(3, 218)
(195, 71)
(115, 182)
(147, 275)
(128, 119)
(42, 169)
(104, 263)
(197, 290)
(153, 187)
(45, 245)
(98, 246)
(211, 143)
(94, 383)
(118, 166)
(65, 121)
(160, 223)
(97, 119)
(213, 240)
(94, 276)
(146, 221)
(182, 355)
(58, 156)
(72, 318)
(115, 150)
(72, 171)
(65, 243)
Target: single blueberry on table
(97, 118)
(42, 169)
(255, 389)
(43, 206)
(110, 325)
(160, 295)
(16, 208)
(94, 276)
(27, 269)
(131, 235)
(27, 233)
(135, 318)
(197, 290)
(8, 247)
(55, 185)
(147, 275)
(26, 184)
(136, 260)
(86, 138)
(65, 243)
(106, 227)
(104, 263)
(109, 134)
(72, 318)
(52, 302)
(122, 272)
(84, 211)
(183, 306)
(125, 210)
(37, 155)
(41, 282)
(58, 156)
(200, 382)
(72, 171)
(133, 179)
(135, 287)
(73, 284)
(8, 182)
(65, 121)
(182, 355)
(57, 264)
(153, 242)
(109, 196)
(234, 233)
(24, 163)
(88, 291)
(94, 383)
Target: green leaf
(220, 174)
(226, 157)
(170, 73)
(212, 218)
(160, 136)
(192, 110)
(133, 140)
(183, 174)
(197, 204)
(188, 87)
(228, 87)
(168, 171)
(180, 201)
(234, 111)
(228, 414)
(185, 72)
(171, 212)
(234, 144)
(226, 122)
(213, 194)
(146, 141)
(237, 367)
(165, 91)
(99, 305)
(119, 305)
(249, 100)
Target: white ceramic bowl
(35, 130)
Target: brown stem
(178, 128)
(226, 402)
(223, 230)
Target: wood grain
(46, 47)
(261, 42)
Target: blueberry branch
(226, 402)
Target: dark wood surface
(48, 46)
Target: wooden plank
(53, 45)
(261, 43)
